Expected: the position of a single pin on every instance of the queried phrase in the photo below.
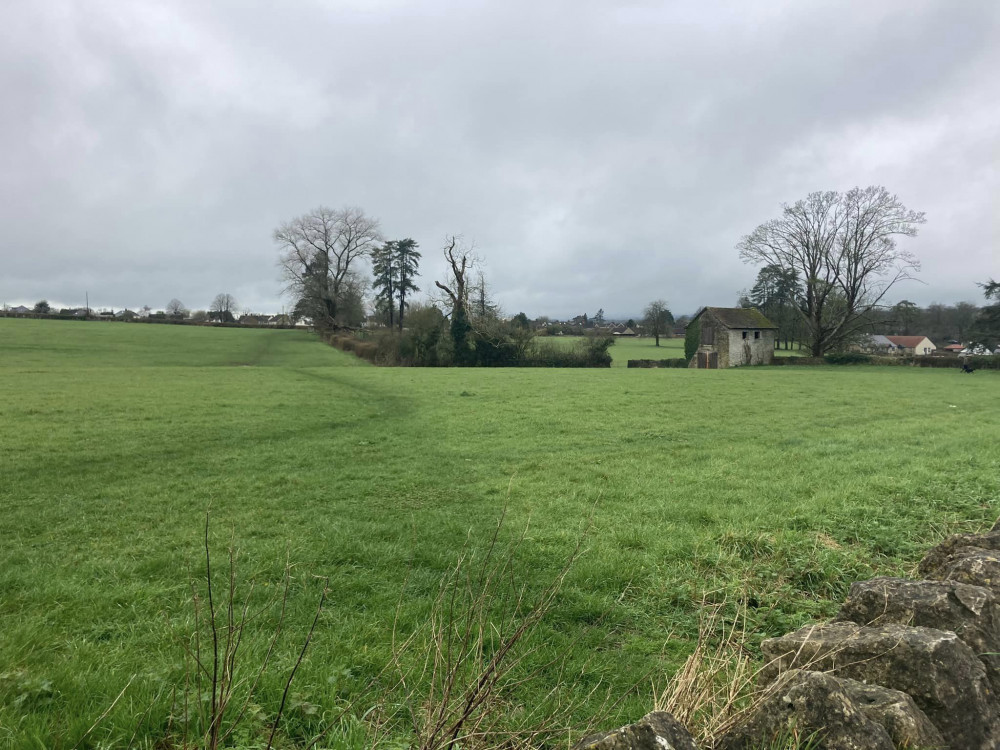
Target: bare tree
(843, 247)
(461, 262)
(658, 318)
(318, 250)
(176, 309)
(222, 308)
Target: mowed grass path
(779, 486)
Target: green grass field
(777, 485)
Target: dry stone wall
(905, 664)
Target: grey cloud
(600, 155)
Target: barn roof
(738, 317)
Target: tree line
(321, 254)
(828, 264)
(775, 293)
(223, 309)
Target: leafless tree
(482, 307)
(318, 250)
(657, 318)
(844, 249)
(176, 309)
(223, 308)
(461, 262)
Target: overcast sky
(599, 154)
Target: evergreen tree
(407, 261)
(986, 329)
(906, 313)
(776, 293)
(386, 273)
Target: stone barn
(733, 337)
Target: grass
(771, 488)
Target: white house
(913, 344)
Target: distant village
(877, 344)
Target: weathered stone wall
(904, 664)
(749, 350)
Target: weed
(220, 689)
(460, 672)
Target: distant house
(953, 348)
(126, 315)
(912, 344)
(221, 316)
(74, 312)
(20, 309)
(733, 337)
(625, 332)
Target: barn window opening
(756, 334)
(744, 334)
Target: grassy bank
(778, 486)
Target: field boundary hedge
(384, 350)
(980, 362)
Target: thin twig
(105, 714)
(302, 654)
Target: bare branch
(843, 247)
(317, 252)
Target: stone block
(954, 546)
(940, 672)
(655, 731)
(839, 714)
(971, 612)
